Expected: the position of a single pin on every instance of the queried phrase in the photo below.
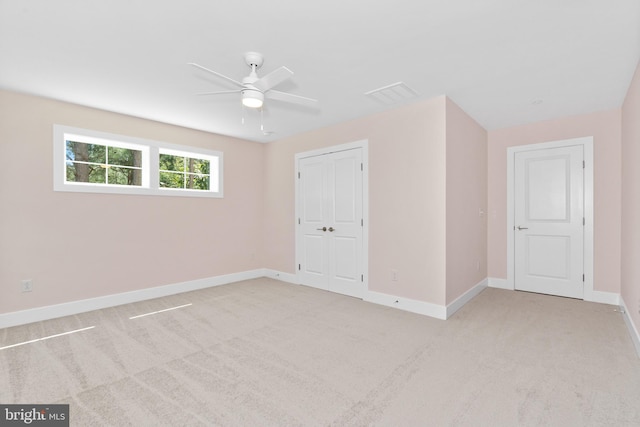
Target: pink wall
(80, 245)
(406, 197)
(605, 129)
(431, 168)
(631, 200)
(77, 245)
(466, 196)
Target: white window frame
(150, 164)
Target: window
(88, 161)
(186, 171)
(95, 163)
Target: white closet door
(330, 229)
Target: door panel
(330, 193)
(549, 210)
(547, 187)
(313, 193)
(314, 254)
(344, 188)
(345, 251)
(549, 256)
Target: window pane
(125, 176)
(169, 162)
(71, 172)
(125, 157)
(199, 166)
(82, 172)
(171, 180)
(135, 177)
(97, 174)
(197, 182)
(82, 152)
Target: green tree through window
(178, 171)
(87, 161)
(103, 164)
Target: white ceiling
(505, 62)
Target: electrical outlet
(27, 285)
(394, 275)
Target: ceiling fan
(254, 89)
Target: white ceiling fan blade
(219, 92)
(289, 97)
(235, 82)
(272, 79)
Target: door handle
(322, 229)
(523, 228)
(331, 229)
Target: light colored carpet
(261, 353)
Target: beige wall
(631, 200)
(76, 246)
(427, 184)
(406, 197)
(79, 245)
(431, 169)
(605, 129)
(466, 197)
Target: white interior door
(330, 235)
(549, 221)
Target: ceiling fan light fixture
(252, 88)
(252, 98)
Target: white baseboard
(459, 302)
(420, 307)
(74, 307)
(633, 331)
(279, 275)
(494, 282)
(407, 304)
(602, 297)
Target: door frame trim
(364, 146)
(587, 144)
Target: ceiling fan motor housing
(254, 59)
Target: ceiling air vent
(392, 94)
